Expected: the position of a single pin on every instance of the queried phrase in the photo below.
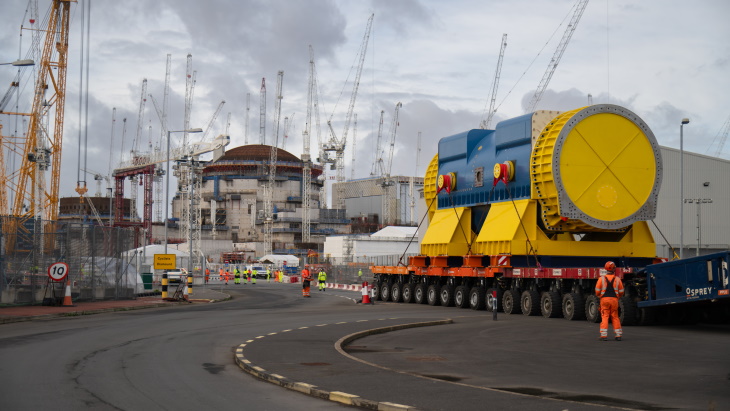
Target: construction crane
(41, 148)
(378, 166)
(212, 120)
(271, 186)
(721, 138)
(248, 111)
(495, 84)
(306, 156)
(262, 112)
(98, 177)
(580, 7)
(288, 121)
(337, 145)
(354, 147)
(228, 123)
(388, 195)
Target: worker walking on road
(268, 275)
(609, 289)
(322, 280)
(207, 274)
(254, 275)
(236, 276)
(359, 275)
(306, 278)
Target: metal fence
(347, 273)
(94, 255)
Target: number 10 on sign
(58, 271)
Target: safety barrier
(164, 285)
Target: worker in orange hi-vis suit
(609, 289)
(306, 278)
(220, 274)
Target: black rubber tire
(432, 294)
(396, 292)
(593, 309)
(489, 302)
(511, 302)
(376, 291)
(574, 307)
(628, 312)
(647, 316)
(385, 291)
(476, 298)
(446, 295)
(461, 297)
(407, 293)
(550, 304)
(419, 293)
(530, 302)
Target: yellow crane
(40, 149)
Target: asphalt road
(182, 358)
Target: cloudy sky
(663, 59)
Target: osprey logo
(696, 292)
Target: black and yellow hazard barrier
(190, 284)
(164, 285)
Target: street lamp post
(681, 186)
(167, 172)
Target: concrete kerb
(336, 396)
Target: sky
(663, 59)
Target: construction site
(187, 189)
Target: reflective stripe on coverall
(609, 304)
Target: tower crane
(721, 137)
(288, 121)
(412, 204)
(580, 7)
(306, 156)
(338, 145)
(41, 147)
(98, 177)
(228, 123)
(212, 120)
(495, 84)
(354, 147)
(388, 195)
(378, 166)
(262, 112)
(270, 187)
(248, 111)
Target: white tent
(280, 259)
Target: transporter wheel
(446, 295)
(593, 309)
(627, 311)
(530, 302)
(385, 291)
(550, 304)
(491, 301)
(407, 293)
(419, 293)
(574, 307)
(432, 295)
(647, 316)
(376, 291)
(476, 298)
(461, 297)
(511, 302)
(395, 292)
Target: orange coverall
(609, 304)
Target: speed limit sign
(58, 271)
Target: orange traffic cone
(67, 297)
(365, 294)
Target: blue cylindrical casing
(471, 155)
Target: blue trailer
(687, 290)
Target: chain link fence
(97, 269)
(348, 272)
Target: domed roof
(257, 152)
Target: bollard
(164, 285)
(190, 284)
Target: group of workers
(307, 279)
(247, 274)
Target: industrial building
(232, 205)
(384, 200)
